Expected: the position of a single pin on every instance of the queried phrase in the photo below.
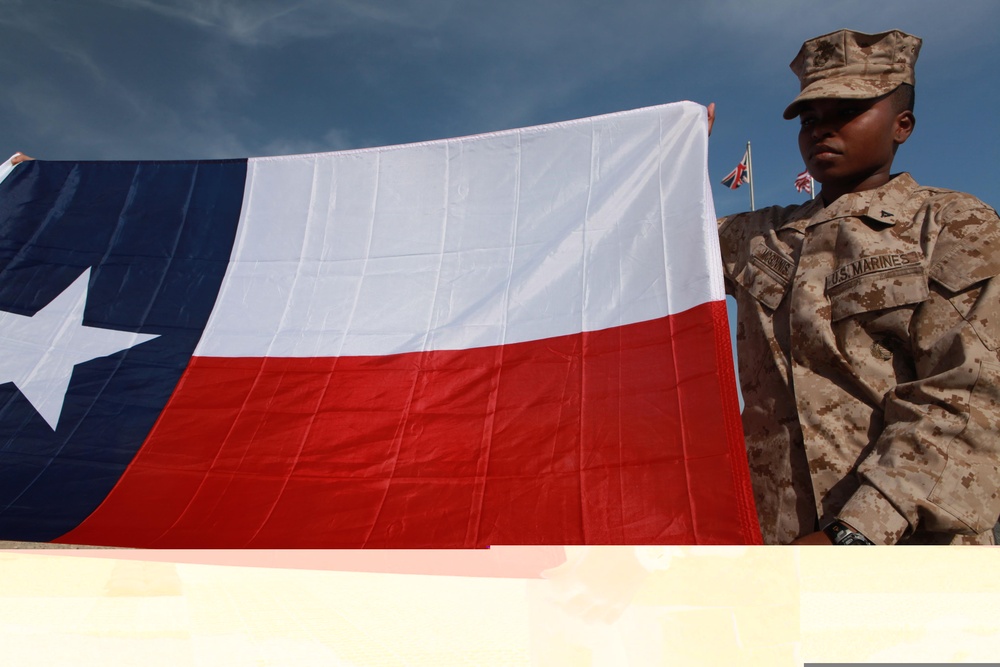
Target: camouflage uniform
(869, 355)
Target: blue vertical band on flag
(154, 240)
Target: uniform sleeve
(935, 464)
(730, 240)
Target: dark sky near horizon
(195, 79)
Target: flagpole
(750, 172)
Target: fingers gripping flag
(513, 338)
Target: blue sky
(165, 79)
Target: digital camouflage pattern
(853, 65)
(869, 358)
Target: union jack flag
(740, 175)
(804, 182)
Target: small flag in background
(739, 175)
(804, 182)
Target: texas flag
(512, 338)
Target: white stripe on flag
(471, 242)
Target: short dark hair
(903, 98)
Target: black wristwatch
(840, 533)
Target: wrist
(841, 533)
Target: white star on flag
(38, 353)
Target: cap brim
(851, 88)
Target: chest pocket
(876, 283)
(767, 276)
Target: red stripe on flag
(615, 436)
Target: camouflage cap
(853, 65)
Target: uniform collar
(883, 205)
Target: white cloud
(334, 139)
(225, 78)
(46, 113)
(275, 21)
